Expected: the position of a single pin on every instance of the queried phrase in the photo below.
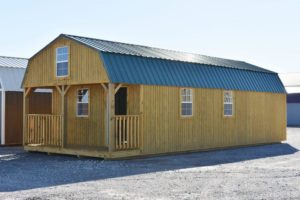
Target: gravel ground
(263, 172)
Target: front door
(121, 101)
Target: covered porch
(112, 128)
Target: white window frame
(186, 102)
(63, 61)
(230, 102)
(77, 102)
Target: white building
(291, 82)
(12, 71)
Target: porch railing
(127, 132)
(44, 130)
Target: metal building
(11, 99)
(291, 82)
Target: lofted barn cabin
(115, 100)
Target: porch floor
(101, 152)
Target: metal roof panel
(140, 70)
(11, 72)
(13, 62)
(151, 52)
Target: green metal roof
(151, 52)
(152, 71)
(136, 64)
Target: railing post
(63, 119)
(140, 120)
(111, 117)
(25, 112)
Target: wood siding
(40, 103)
(133, 97)
(90, 131)
(86, 131)
(85, 66)
(258, 118)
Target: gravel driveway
(263, 172)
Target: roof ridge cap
(172, 50)
(259, 69)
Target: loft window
(82, 103)
(62, 62)
(186, 102)
(228, 103)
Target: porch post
(106, 115)
(25, 112)
(111, 115)
(63, 91)
(63, 116)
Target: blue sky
(262, 32)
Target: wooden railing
(127, 132)
(44, 130)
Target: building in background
(11, 100)
(291, 82)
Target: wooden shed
(11, 100)
(116, 100)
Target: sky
(262, 32)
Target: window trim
(181, 101)
(232, 103)
(76, 103)
(56, 62)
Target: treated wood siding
(40, 103)
(133, 95)
(254, 121)
(90, 131)
(86, 131)
(84, 63)
(56, 102)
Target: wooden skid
(130, 154)
(88, 153)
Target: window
(82, 103)
(228, 103)
(62, 62)
(186, 102)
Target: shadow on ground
(21, 171)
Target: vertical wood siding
(40, 103)
(86, 131)
(85, 65)
(56, 102)
(258, 118)
(90, 131)
(133, 96)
